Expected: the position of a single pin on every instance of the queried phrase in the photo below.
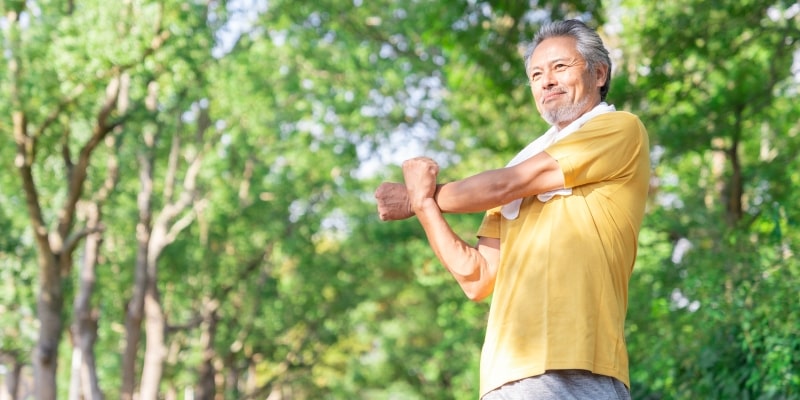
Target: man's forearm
(464, 262)
(486, 190)
(477, 193)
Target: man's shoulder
(619, 115)
(621, 119)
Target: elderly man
(558, 242)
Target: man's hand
(420, 177)
(393, 202)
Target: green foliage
(285, 280)
(716, 89)
(17, 277)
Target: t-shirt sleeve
(490, 227)
(605, 148)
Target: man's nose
(547, 79)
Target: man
(557, 245)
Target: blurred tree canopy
(187, 195)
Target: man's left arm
(539, 174)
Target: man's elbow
(476, 293)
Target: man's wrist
(425, 205)
(436, 192)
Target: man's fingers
(392, 201)
(421, 162)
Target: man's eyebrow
(549, 62)
(561, 60)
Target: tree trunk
(155, 349)
(49, 305)
(207, 388)
(83, 383)
(50, 293)
(135, 310)
(155, 325)
(153, 235)
(50, 300)
(12, 381)
(735, 210)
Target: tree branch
(71, 242)
(80, 171)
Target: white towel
(553, 135)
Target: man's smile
(551, 96)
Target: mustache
(543, 96)
(557, 89)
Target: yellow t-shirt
(561, 292)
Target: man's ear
(601, 74)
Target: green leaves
(709, 85)
(284, 278)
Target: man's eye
(561, 67)
(536, 76)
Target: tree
(38, 118)
(716, 87)
(69, 108)
(195, 179)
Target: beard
(565, 114)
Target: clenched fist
(420, 177)
(393, 202)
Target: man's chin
(551, 117)
(562, 115)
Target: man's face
(562, 85)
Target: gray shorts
(568, 384)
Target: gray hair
(590, 46)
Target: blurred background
(186, 193)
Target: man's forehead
(559, 48)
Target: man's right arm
(474, 268)
(393, 203)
